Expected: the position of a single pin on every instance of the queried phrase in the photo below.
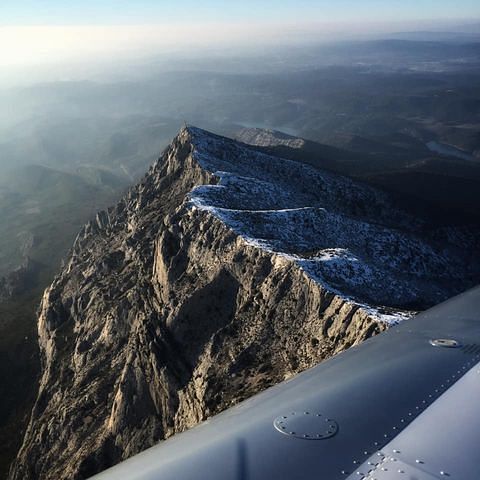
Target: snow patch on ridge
(346, 236)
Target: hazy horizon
(33, 35)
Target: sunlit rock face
(223, 272)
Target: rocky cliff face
(268, 138)
(223, 272)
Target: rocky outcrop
(167, 312)
(262, 137)
(18, 280)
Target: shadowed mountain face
(224, 271)
(41, 212)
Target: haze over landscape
(34, 33)
(376, 103)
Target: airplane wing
(404, 405)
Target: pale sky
(87, 12)
(34, 32)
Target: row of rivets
(410, 414)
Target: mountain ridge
(175, 304)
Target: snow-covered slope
(347, 236)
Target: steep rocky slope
(223, 272)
